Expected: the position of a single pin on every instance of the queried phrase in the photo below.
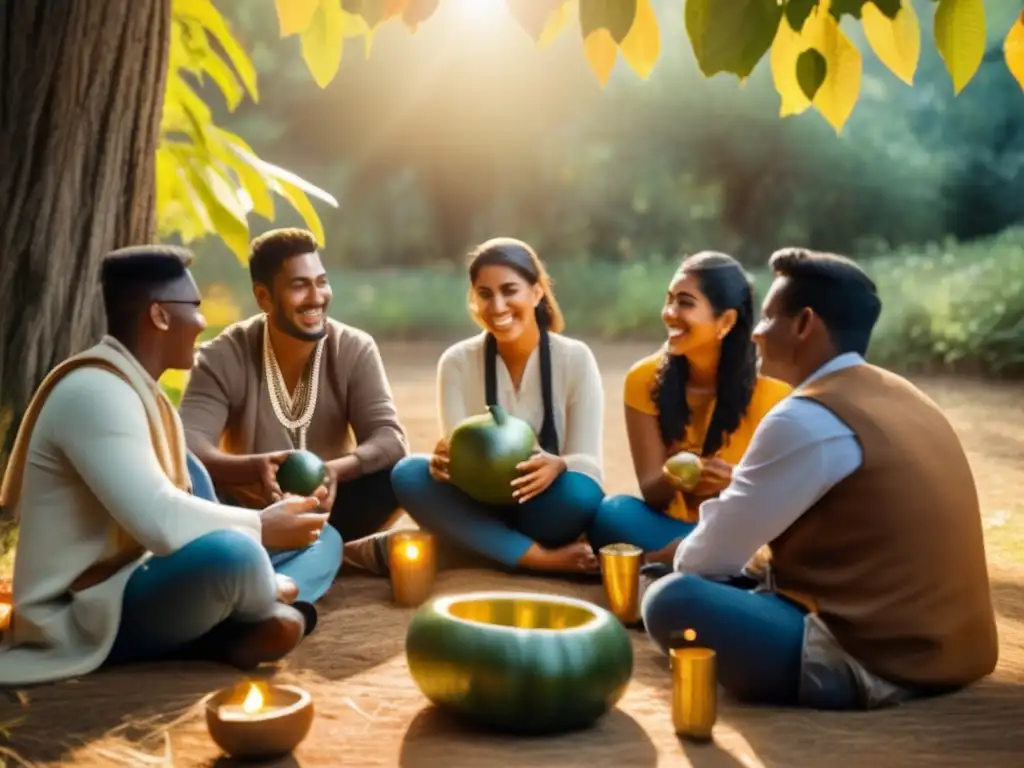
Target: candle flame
(412, 551)
(253, 700)
(689, 635)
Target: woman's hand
(439, 462)
(715, 477)
(539, 471)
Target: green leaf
(532, 15)
(855, 8)
(295, 16)
(280, 174)
(616, 16)
(731, 35)
(223, 206)
(373, 11)
(250, 177)
(207, 14)
(222, 74)
(797, 12)
(811, 69)
(300, 202)
(960, 38)
(418, 11)
(323, 40)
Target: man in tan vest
(117, 560)
(877, 589)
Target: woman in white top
(522, 363)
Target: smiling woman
(522, 363)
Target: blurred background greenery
(450, 136)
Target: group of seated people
(832, 553)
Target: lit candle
(252, 707)
(412, 563)
(5, 616)
(694, 689)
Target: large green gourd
(519, 662)
(484, 451)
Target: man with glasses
(117, 561)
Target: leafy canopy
(209, 179)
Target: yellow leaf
(785, 51)
(960, 38)
(838, 94)
(295, 16)
(601, 52)
(555, 23)
(897, 42)
(1013, 50)
(322, 41)
(642, 46)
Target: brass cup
(694, 692)
(620, 572)
(412, 560)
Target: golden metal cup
(413, 562)
(694, 692)
(620, 572)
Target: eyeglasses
(194, 303)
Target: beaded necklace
(294, 412)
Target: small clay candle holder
(256, 720)
(413, 563)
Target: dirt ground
(369, 712)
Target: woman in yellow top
(700, 393)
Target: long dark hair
(517, 255)
(726, 286)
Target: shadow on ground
(436, 739)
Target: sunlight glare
(480, 12)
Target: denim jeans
(628, 520)
(313, 568)
(501, 534)
(758, 638)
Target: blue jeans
(313, 569)
(758, 638)
(174, 601)
(502, 534)
(628, 520)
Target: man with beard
(291, 378)
(116, 560)
(876, 590)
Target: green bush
(956, 307)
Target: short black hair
(271, 249)
(836, 288)
(131, 278)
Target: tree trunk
(81, 95)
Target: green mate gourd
(517, 662)
(484, 451)
(301, 473)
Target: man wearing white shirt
(877, 588)
(117, 561)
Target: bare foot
(577, 557)
(287, 590)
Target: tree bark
(81, 96)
